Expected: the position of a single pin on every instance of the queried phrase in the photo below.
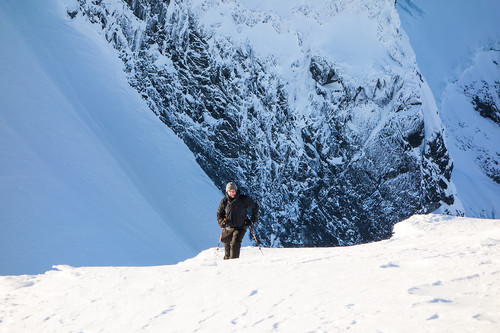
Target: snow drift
(436, 274)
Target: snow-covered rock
(317, 108)
(458, 45)
(470, 112)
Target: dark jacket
(235, 211)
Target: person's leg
(236, 243)
(227, 250)
(226, 238)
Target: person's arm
(221, 214)
(255, 211)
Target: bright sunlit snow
(437, 274)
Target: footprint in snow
(390, 265)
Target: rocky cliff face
(483, 93)
(317, 111)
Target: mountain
(436, 274)
(317, 109)
(457, 44)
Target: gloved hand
(247, 222)
(223, 224)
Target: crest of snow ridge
(316, 110)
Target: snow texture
(89, 175)
(436, 274)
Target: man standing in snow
(232, 217)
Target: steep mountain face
(470, 111)
(483, 94)
(316, 109)
(458, 51)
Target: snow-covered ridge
(436, 274)
(317, 109)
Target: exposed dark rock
(340, 171)
(487, 108)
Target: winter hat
(231, 186)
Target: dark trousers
(233, 246)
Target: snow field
(437, 274)
(90, 176)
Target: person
(232, 216)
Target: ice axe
(256, 239)
(222, 230)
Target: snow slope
(436, 274)
(447, 34)
(89, 175)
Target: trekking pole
(220, 239)
(255, 239)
